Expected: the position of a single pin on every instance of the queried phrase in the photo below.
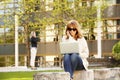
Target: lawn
(20, 75)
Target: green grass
(21, 75)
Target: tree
(36, 14)
(116, 51)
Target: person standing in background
(33, 49)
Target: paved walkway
(22, 68)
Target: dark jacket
(34, 41)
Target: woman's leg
(67, 64)
(33, 55)
(76, 61)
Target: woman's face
(72, 31)
(33, 34)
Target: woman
(33, 50)
(75, 61)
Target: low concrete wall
(84, 75)
(95, 74)
(52, 48)
(107, 74)
(52, 76)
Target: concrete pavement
(23, 68)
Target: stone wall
(52, 76)
(93, 74)
(107, 74)
(84, 75)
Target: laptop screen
(69, 47)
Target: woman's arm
(84, 51)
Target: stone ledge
(93, 74)
(107, 74)
(84, 75)
(52, 76)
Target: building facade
(49, 17)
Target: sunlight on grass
(17, 75)
(18, 79)
(21, 75)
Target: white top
(83, 48)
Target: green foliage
(36, 14)
(116, 51)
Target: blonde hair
(76, 25)
(33, 34)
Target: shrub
(116, 51)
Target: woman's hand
(68, 33)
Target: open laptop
(69, 47)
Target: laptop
(69, 47)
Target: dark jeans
(72, 62)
